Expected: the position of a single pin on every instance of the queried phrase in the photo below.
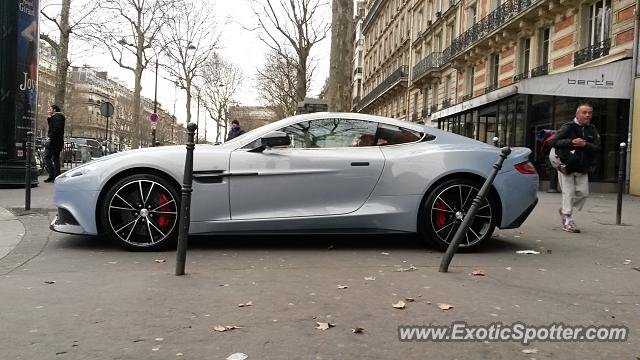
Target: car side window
(392, 135)
(331, 133)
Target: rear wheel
(444, 209)
(141, 212)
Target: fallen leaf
(222, 328)
(160, 260)
(237, 356)
(477, 272)
(530, 351)
(384, 253)
(527, 252)
(50, 282)
(409, 299)
(410, 268)
(399, 305)
(508, 268)
(358, 330)
(444, 306)
(343, 286)
(248, 303)
(324, 325)
(626, 262)
(369, 278)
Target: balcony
(396, 77)
(491, 87)
(540, 70)
(432, 61)
(521, 76)
(497, 19)
(467, 97)
(414, 117)
(424, 113)
(446, 103)
(433, 108)
(592, 52)
(357, 70)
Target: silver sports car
(314, 173)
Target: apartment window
(495, 4)
(447, 86)
(425, 97)
(471, 16)
(438, 42)
(544, 46)
(469, 77)
(494, 63)
(434, 95)
(525, 51)
(599, 21)
(450, 34)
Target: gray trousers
(575, 189)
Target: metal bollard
(27, 175)
(185, 202)
(621, 171)
(471, 214)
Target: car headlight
(80, 170)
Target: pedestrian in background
(235, 131)
(576, 144)
(55, 143)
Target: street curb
(36, 236)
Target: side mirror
(274, 138)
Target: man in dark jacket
(577, 144)
(55, 143)
(235, 130)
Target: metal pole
(471, 214)
(27, 175)
(106, 131)
(621, 181)
(185, 202)
(155, 106)
(198, 120)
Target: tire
(443, 210)
(141, 213)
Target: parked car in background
(95, 147)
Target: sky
(240, 46)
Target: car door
(325, 171)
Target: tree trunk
(62, 55)
(301, 78)
(341, 59)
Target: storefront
(546, 103)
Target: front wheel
(141, 212)
(444, 209)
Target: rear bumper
(520, 219)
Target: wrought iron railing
(446, 103)
(432, 61)
(491, 87)
(424, 113)
(495, 20)
(521, 76)
(433, 108)
(357, 70)
(540, 70)
(592, 52)
(467, 97)
(395, 76)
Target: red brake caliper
(441, 219)
(163, 220)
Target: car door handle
(360, 163)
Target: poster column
(18, 82)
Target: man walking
(235, 130)
(56, 142)
(576, 144)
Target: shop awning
(610, 81)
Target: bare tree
(65, 24)
(340, 69)
(129, 35)
(221, 81)
(189, 39)
(277, 83)
(292, 24)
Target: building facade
(485, 68)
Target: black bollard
(27, 175)
(185, 202)
(471, 214)
(621, 171)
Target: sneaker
(570, 227)
(563, 217)
(49, 180)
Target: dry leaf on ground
(160, 260)
(444, 306)
(324, 325)
(369, 278)
(343, 286)
(399, 305)
(358, 330)
(409, 299)
(222, 328)
(477, 272)
(527, 252)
